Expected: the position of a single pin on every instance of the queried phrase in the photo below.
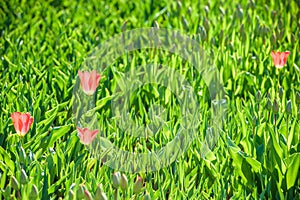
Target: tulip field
(150, 99)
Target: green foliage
(43, 44)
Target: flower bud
(206, 24)
(71, 194)
(281, 91)
(254, 120)
(273, 39)
(87, 195)
(251, 4)
(80, 192)
(100, 195)
(239, 13)
(156, 25)
(14, 183)
(258, 96)
(297, 98)
(179, 5)
(34, 192)
(206, 9)
(24, 177)
(147, 196)
(138, 185)
(185, 23)
(22, 155)
(123, 182)
(289, 107)
(269, 105)
(116, 179)
(124, 26)
(190, 10)
(222, 11)
(275, 107)
(203, 33)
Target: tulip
(15, 183)
(279, 59)
(289, 107)
(89, 81)
(138, 185)
(281, 91)
(86, 136)
(116, 180)
(22, 122)
(34, 192)
(24, 177)
(297, 98)
(258, 96)
(87, 195)
(123, 182)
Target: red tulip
(279, 58)
(22, 122)
(89, 81)
(86, 136)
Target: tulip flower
(86, 136)
(22, 122)
(89, 81)
(279, 58)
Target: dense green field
(252, 153)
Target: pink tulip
(22, 122)
(89, 81)
(279, 58)
(86, 136)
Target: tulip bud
(123, 182)
(273, 14)
(281, 91)
(24, 177)
(289, 107)
(273, 39)
(156, 25)
(100, 195)
(206, 24)
(190, 10)
(222, 11)
(124, 26)
(87, 195)
(179, 5)
(206, 9)
(147, 196)
(213, 41)
(297, 98)
(269, 105)
(275, 107)
(71, 194)
(22, 155)
(203, 33)
(240, 13)
(138, 185)
(254, 120)
(116, 180)
(251, 4)
(14, 183)
(185, 23)
(258, 96)
(34, 192)
(80, 192)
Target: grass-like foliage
(254, 155)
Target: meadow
(52, 113)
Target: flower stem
(116, 194)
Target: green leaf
(293, 163)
